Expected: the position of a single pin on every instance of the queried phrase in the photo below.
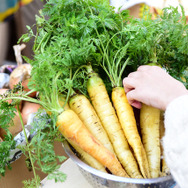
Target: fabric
(125, 4)
(9, 7)
(159, 4)
(175, 141)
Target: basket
(102, 180)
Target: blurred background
(16, 14)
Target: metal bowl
(100, 179)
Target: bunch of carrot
(105, 133)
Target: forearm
(175, 140)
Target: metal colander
(102, 180)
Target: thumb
(131, 97)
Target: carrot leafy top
(72, 33)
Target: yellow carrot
(105, 111)
(164, 170)
(149, 123)
(82, 106)
(127, 120)
(72, 128)
(88, 159)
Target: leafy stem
(27, 143)
(103, 48)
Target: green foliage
(72, 33)
(161, 41)
(7, 113)
(69, 35)
(33, 183)
(5, 147)
(39, 151)
(42, 146)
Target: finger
(136, 104)
(132, 74)
(144, 68)
(133, 98)
(127, 89)
(128, 84)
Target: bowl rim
(110, 177)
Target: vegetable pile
(82, 51)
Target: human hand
(153, 86)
